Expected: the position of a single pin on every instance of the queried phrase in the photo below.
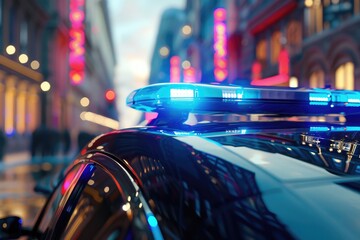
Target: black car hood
(260, 185)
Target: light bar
(204, 98)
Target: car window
(96, 200)
(57, 199)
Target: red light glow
(77, 41)
(280, 79)
(77, 16)
(220, 14)
(284, 62)
(220, 74)
(271, 81)
(256, 71)
(190, 75)
(175, 69)
(150, 116)
(220, 48)
(110, 95)
(76, 77)
(220, 62)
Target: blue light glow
(152, 221)
(184, 98)
(353, 128)
(319, 129)
(319, 98)
(354, 100)
(231, 94)
(181, 93)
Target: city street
(18, 177)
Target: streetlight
(84, 102)
(186, 30)
(164, 51)
(10, 49)
(45, 86)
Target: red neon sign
(175, 69)
(220, 55)
(77, 41)
(281, 78)
(190, 75)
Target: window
(1, 27)
(275, 46)
(33, 109)
(294, 36)
(337, 11)
(317, 79)
(357, 6)
(10, 93)
(24, 36)
(1, 105)
(96, 207)
(12, 24)
(57, 199)
(1, 13)
(344, 76)
(313, 16)
(261, 50)
(21, 109)
(97, 199)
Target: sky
(134, 28)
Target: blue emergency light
(205, 98)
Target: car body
(220, 176)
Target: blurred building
(55, 62)
(296, 43)
(308, 43)
(183, 49)
(166, 45)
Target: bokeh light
(23, 58)
(186, 30)
(45, 86)
(164, 51)
(35, 65)
(85, 102)
(10, 49)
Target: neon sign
(175, 69)
(279, 79)
(220, 55)
(77, 41)
(190, 75)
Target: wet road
(17, 181)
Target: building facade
(36, 87)
(289, 43)
(309, 43)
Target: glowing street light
(10, 49)
(84, 102)
(164, 51)
(186, 30)
(23, 58)
(35, 65)
(45, 86)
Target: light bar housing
(205, 98)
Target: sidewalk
(22, 158)
(15, 159)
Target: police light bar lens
(181, 93)
(204, 98)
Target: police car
(218, 162)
